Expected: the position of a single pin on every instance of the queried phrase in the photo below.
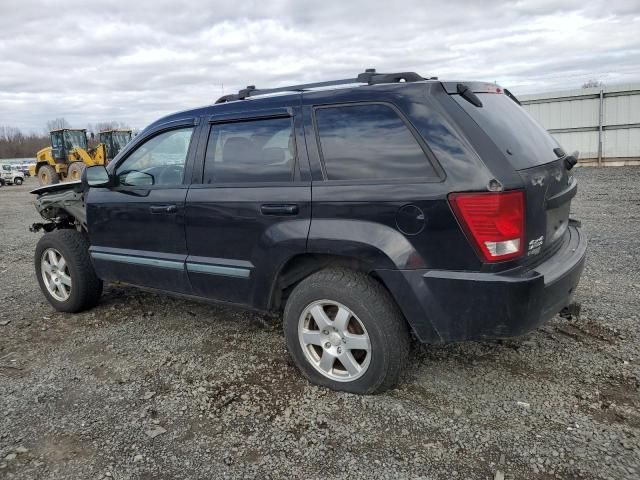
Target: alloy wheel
(334, 340)
(55, 274)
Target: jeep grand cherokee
(363, 209)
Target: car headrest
(273, 155)
(240, 150)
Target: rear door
(377, 186)
(249, 208)
(136, 228)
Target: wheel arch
(300, 266)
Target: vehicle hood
(58, 187)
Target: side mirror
(96, 176)
(133, 178)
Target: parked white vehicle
(11, 175)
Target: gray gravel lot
(148, 386)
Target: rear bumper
(446, 306)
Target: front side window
(250, 151)
(369, 142)
(158, 161)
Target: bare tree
(96, 128)
(57, 124)
(592, 83)
(93, 129)
(101, 126)
(16, 144)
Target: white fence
(603, 124)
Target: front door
(251, 210)
(136, 228)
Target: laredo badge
(535, 245)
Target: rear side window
(250, 151)
(369, 142)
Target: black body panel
(230, 241)
(448, 306)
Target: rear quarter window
(369, 142)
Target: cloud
(136, 61)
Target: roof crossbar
(369, 77)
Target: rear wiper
(569, 160)
(466, 93)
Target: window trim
(254, 116)
(429, 156)
(249, 115)
(147, 134)
(170, 126)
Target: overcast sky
(135, 61)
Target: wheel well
(39, 166)
(300, 267)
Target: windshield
(526, 143)
(75, 138)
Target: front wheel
(65, 272)
(75, 171)
(345, 332)
(17, 181)
(47, 175)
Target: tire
(47, 175)
(75, 171)
(77, 287)
(17, 181)
(372, 315)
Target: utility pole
(600, 129)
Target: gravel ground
(147, 386)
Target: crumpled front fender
(53, 205)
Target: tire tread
(378, 299)
(75, 248)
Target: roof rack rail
(369, 76)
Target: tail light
(494, 222)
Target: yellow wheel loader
(114, 140)
(69, 154)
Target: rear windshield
(512, 129)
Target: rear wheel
(17, 181)
(345, 332)
(75, 171)
(47, 175)
(65, 273)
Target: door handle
(272, 209)
(163, 208)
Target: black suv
(363, 209)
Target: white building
(601, 123)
